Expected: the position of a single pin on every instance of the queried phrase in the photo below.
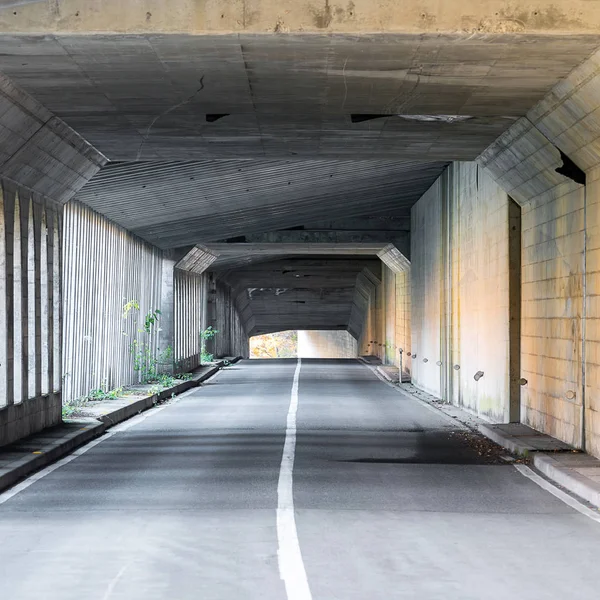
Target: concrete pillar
(166, 337)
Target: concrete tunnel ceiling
(219, 138)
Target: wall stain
(322, 17)
(518, 20)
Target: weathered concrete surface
(460, 292)
(30, 312)
(523, 440)
(43, 163)
(225, 314)
(326, 344)
(288, 97)
(561, 260)
(39, 151)
(107, 267)
(201, 16)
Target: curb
(31, 463)
(568, 478)
(509, 442)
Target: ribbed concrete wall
(460, 292)
(223, 315)
(30, 313)
(190, 317)
(105, 267)
(326, 344)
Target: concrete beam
(39, 151)
(197, 260)
(283, 16)
(394, 259)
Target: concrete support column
(166, 337)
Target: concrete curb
(130, 410)
(30, 463)
(568, 478)
(511, 443)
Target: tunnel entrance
(304, 344)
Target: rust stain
(522, 19)
(322, 17)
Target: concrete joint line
(291, 565)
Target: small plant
(208, 334)
(131, 305)
(101, 394)
(185, 376)
(150, 320)
(167, 381)
(155, 390)
(68, 410)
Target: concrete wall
(190, 318)
(283, 16)
(460, 292)
(403, 322)
(326, 344)
(426, 289)
(43, 163)
(105, 268)
(223, 315)
(370, 303)
(30, 313)
(560, 255)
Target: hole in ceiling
(215, 117)
(354, 118)
(570, 169)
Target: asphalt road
(390, 502)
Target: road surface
(389, 501)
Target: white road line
(291, 565)
(558, 493)
(12, 492)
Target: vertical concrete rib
(37, 312)
(8, 214)
(24, 202)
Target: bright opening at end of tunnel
(304, 344)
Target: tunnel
(314, 283)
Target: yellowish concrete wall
(480, 302)
(592, 344)
(460, 298)
(326, 344)
(282, 16)
(560, 255)
(403, 337)
(390, 351)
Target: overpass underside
(423, 178)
